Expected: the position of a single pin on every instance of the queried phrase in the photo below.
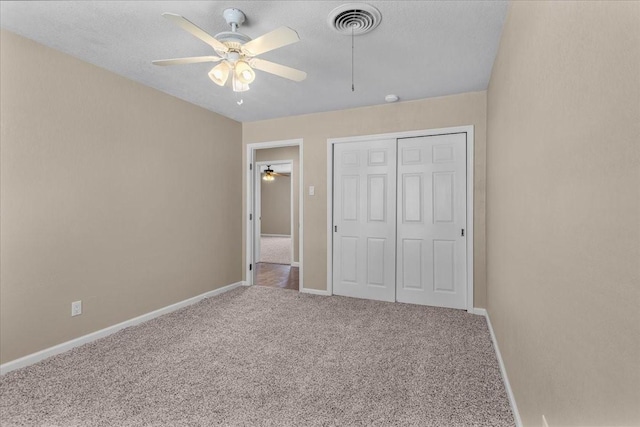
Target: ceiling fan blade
(189, 26)
(278, 70)
(275, 39)
(190, 60)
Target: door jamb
(469, 130)
(257, 208)
(250, 183)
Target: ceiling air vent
(359, 18)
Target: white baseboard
(295, 264)
(479, 311)
(503, 370)
(275, 235)
(30, 359)
(315, 292)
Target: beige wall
(287, 153)
(563, 217)
(275, 213)
(111, 193)
(457, 110)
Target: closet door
(431, 247)
(364, 219)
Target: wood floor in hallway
(277, 276)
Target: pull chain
(239, 99)
(353, 88)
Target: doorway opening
(275, 215)
(274, 220)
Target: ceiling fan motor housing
(234, 17)
(233, 39)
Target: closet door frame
(469, 130)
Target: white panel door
(431, 204)
(364, 218)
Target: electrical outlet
(76, 308)
(312, 190)
(544, 422)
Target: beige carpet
(271, 357)
(275, 250)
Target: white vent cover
(357, 17)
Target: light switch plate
(312, 190)
(76, 308)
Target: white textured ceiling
(421, 49)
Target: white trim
(257, 213)
(295, 264)
(480, 311)
(503, 370)
(469, 130)
(315, 292)
(257, 210)
(330, 216)
(470, 209)
(250, 207)
(406, 134)
(249, 229)
(30, 359)
(293, 217)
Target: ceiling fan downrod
(234, 17)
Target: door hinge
(250, 166)
(335, 228)
(462, 234)
(250, 267)
(250, 217)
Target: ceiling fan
(269, 174)
(236, 52)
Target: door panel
(364, 213)
(412, 263)
(377, 198)
(444, 265)
(375, 268)
(349, 258)
(412, 197)
(443, 206)
(432, 212)
(350, 197)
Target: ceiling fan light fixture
(244, 72)
(268, 174)
(219, 74)
(237, 84)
